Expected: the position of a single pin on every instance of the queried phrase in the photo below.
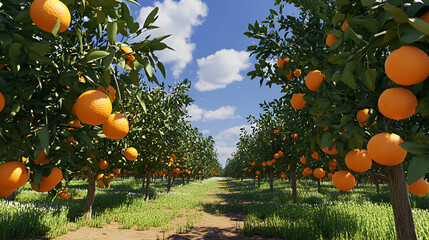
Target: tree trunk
(377, 185)
(144, 181)
(400, 200)
(183, 180)
(188, 179)
(318, 186)
(271, 175)
(259, 182)
(254, 181)
(90, 196)
(12, 196)
(148, 176)
(293, 183)
(168, 183)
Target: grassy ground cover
(357, 214)
(38, 214)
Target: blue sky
(210, 50)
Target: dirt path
(209, 226)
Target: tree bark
(254, 181)
(400, 200)
(188, 179)
(144, 181)
(12, 196)
(319, 189)
(271, 176)
(168, 183)
(259, 182)
(90, 196)
(293, 183)
(377, 185)
(183, 180)
(148, 176)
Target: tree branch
(378, 176)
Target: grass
(357, 214)
(36, 214)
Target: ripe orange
(276, 155)
(4, 192)
(269, 163)
(314, 79)
(264, 164)
(110, 90)
(329, 175)
(343, 180)
(131, 153)
(294, 136)
(384, 149)
(333, 163)
(41, 159)
(425, 17)
(117, 171)
(315, 155)
(283, 176)
(49, 182)
(397, 103)
(303, 160)
(345, 25)
(297, 101)
(128, 53)
(2, 101)
(273, 161)
(45, 14)
(362, 116)
(280, 61)
(333, 151)
(297, 73)
(103, 164)
(13, 175)
(407, 65)
(100, 183)
(421, 187)
(308, 171)
(76, 124)
(358, 160)
(93, 107)
(258, 172)
(331, 38)
(319, 173)
(289, 76)
(280, 153)
(116, 127)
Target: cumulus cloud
(199, 114)
(178, 18)
(220, 69)
(226, 141)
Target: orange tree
(47, 66)
(377, 61)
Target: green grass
(357, 214)
(36, 214)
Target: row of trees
(363, 86)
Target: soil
(209, 226)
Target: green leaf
(423, 106)
(343, 2)
(134, 74)
(419, 24)
(418, 167)
(85, 138)
(15, 50)
(398, 14)
(348, 74)
(107, 76)
(41, 49)
(139, 98)
(415, 148)
(56, 28)
(37, 177)
(338, 59)
(96, 55)
(43, 135)
(327, 139)
(370, 79)
(161, 68)
(109, 59)
(411, 35)
(151, 18)
(112, 31)
(367, 3)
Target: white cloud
(179, 19)
(220, 69)
(226, 141)
(199, 114)
(205, 131)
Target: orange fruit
(269, 163)
(2, 101)
(294, 137)
(116, 127)
(297, 73)
(276, 155)
(103, 164)
(4, 192)
(303, 160)
(343, 180)
(280, 61)
(297, 101)
(289, 76)
(100, 176)
(283, 176)
(264, 164)
(131, 153)
(93, 107)
(280, 153)
(45, 14)
(308, 171)
(331, 38)
(315, 155)
(273, 161)
(332, 162)
(345, 25)
(49, 182)
(41, 159)
(117, 171)
(258, 172)
(314, 79)
(333, 151)
(100, 183)
(329, 175)
(85, 168)
(420, 187)
(76, 124)
(397, 103)
(407, 65)
(13, 175)
(362, 116)
(110, 90)
(358, 160)
(253, 164)
(384, 149)
(128, 53)
(319, 173)
(425, 17)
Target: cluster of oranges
(64, 194)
